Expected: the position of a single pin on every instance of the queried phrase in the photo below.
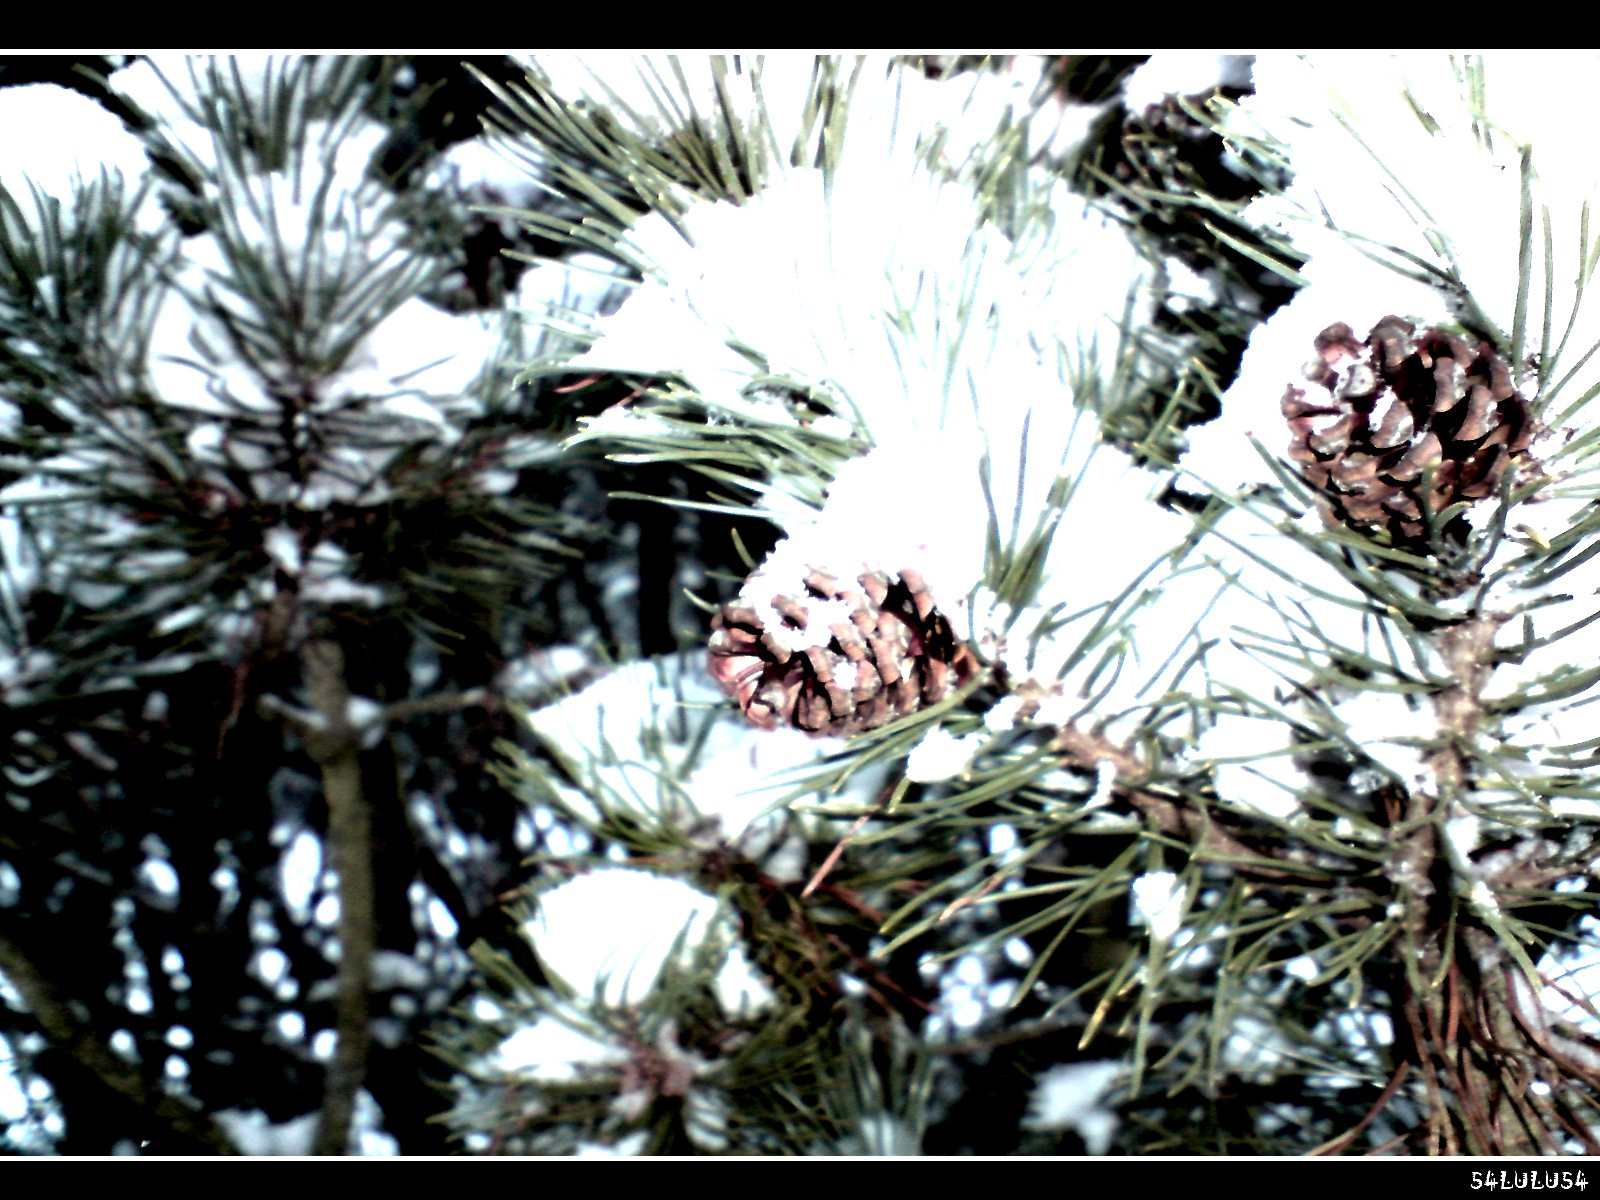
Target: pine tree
(279, 533)
(1011, 605)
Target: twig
(1166, 815)
(1335, 1145)
(833, 856)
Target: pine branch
(54, 1012)
(334, 744)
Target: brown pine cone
(884, 651)
(1397, 404)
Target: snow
(951, 348)
(254, 1133)
(880, 1135)
(317, 226)
(1361, 1033)
(1101, 638)
(941, 537)
(1464, 833)
(630, 1145)
(158, 876)
(271, 965)
(299, 870)
(961, 999)
(426, 351)
(1003, 841)
(491, 170)
(167, 86)
(1004, 714)
(53, 138)
(1393, 730)
(1158, 902)
(1458, 209)
(1342, 284)
(1105, 779)
(853, 290)
(391, 969)
(182, 618)
(362, 711)
(13, 1099)
(543, 669)
(1182, 73)
(441, 920)
(1302, 967)
(610, 934)
(326, 580)
(941, 755)
(560, 295)
(553, 1049)
(1252, 765)
(740, 988)
(1071, 1096)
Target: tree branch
(335, 745)
(55, 1017)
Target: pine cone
(1395, 405)
(838, 660)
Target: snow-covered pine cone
(1384, 410)
(839, 657)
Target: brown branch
(1470, 1051)
(335, 746)
(58, 1023)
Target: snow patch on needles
(611, 933)
(1393, 731)
(288, 233)
(1183, 73)
(55, 139)
(1418, 115)
(926, 328)
(1113, 614)
(895, 107)
(553, 1049)
(657, 739)
(1352, 135)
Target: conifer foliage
(798, 605)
